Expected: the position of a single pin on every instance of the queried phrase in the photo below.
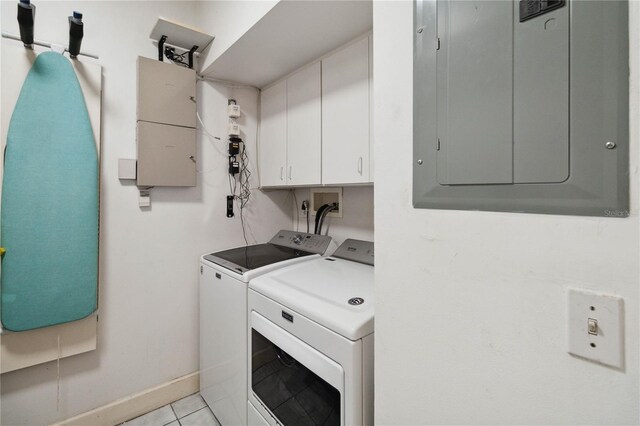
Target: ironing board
(49, 217)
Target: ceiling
(289, 36)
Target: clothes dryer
(311, 341)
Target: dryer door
(291, 383)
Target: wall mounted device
(234, 166)
(166, 135)
(524, 111)
(171, 35)
(230, 206)
(530, 9)
(233, 109)
(234, 146)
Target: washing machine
(311, 341)
(224, 277)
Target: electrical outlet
(595, 327)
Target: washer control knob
(297, 239)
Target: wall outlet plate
(595, 326)
(144, 198)
(320, 196)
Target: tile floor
(189, 411)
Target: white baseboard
(137, 404)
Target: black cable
(318, 214)
(245, 176)
(295, 203)
(244, 195)
(175, 58)
(244, 233)
(308, 219)
(329, 209)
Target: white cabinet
(371, 144)
(345, 115)
(315, 125)
(290, 141)
(303, 127)
(166, 124)
(166, 93)
(273, 135)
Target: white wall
(228, 20)
(148, 329)
(357, 215)
(470, 306)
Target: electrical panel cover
(521, 106)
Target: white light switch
(595, 326)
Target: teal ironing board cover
(49, 211)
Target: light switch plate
(606, 345)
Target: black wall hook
(26, 19)
(76, 32)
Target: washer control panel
(357, 251)
(302, 241)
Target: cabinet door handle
(360, 165)
(281, 172)
(290, 169)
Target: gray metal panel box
(166, 155)
(527, 116)
(166, 93)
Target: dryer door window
(293, 393)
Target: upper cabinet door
(371, 134)
(273, 136)
(303, 127)
(166, 93)
(345, 115)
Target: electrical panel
(521, 106)
(166, 133)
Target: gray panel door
(541, 98)
(475, 126)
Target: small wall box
(534, 118)
(126, 168)
(320, 196)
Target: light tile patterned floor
(189, 411)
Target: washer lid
(244, 259)
(335, 293)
